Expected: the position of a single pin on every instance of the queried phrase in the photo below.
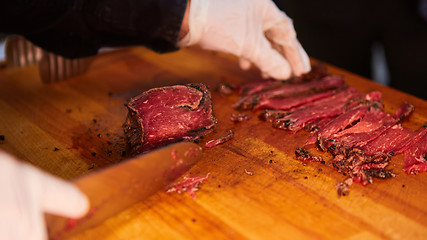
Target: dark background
(343, 32)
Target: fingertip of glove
(80, 203)
(63, 198)
(244, 64)
(280, 72)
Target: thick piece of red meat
(168, 114)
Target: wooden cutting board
(74, 127)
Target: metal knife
(113, 189)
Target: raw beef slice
(168, 114)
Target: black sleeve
(78, 28)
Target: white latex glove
(244, 28)
(26, 193)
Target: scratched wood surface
(74, 127)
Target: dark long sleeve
(78, 28)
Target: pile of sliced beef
(350, 125)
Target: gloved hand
(26, 193)
(245, 28)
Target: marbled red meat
(168, 114)
(372, 130)
(317, 72)
(389, 141)
(371, 121)
(286, 90)
(328, 107)
(339, 123)
(415, 157)
(408, 142)
(291, 102)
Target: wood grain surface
(73, 127)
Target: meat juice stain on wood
(98, 144)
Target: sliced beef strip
(328, 107)
(415, 158)
(371, 131)
(291, 102)
(258, 86)
(290, 90)
(408, 142)
(372, 120)
(389, 141)
(354, 111)
(338, 124)
(168, 114)
(314, 127)
(317, 72)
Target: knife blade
(118, 187)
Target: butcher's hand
(26, 193)
(254, 30)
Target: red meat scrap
(190, 185)
(239, 117)
(225, 138)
